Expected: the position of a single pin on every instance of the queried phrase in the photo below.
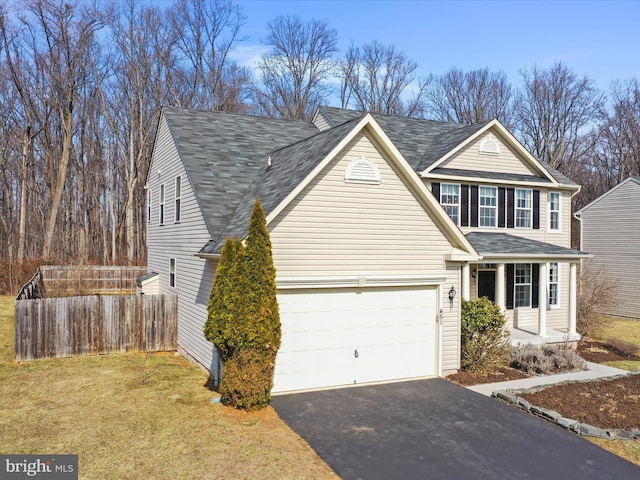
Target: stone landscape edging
(510, 396)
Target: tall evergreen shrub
(484, 342)
(244, 318)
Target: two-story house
(380, 225)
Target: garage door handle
(355, 353)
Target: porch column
(465, 282)
(500, 292)
(542, 301)
(572, 297)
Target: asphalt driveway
(434, 429)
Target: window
(450, 200)
(554, 285)
(161, 206)
(522, 287)
(149, 196)
(524, 208)
(172, 272)
(488, 206)
(554, 211)
(178, 194)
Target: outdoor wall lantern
(474, 273)
(452, 295)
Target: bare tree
(375, 78)
(471, 97)
(297, 67)
(205, 32)
(553, 112)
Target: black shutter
(501, 207)
(464, 204)
(536, 209)
(511, 208)
(535, 276)
(435, 189)
(511, 278)
(474, 205)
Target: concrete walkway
(594, 371)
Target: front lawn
(629, 331)
(131, 419)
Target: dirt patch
(611, 403)
(503, 375)
(599, 352)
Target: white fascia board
(210, 256)
(523, 258)
(457, 255)
(492, 181)
(367, 281)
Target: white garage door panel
(393, 330)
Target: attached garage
(343, 336)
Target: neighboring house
(610, 231)
(379, 226)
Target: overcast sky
(600, 39)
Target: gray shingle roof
(222, 153)
(289, 167)
(225, 156)
(489, 244)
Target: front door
(487, 284)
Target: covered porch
(523, 277)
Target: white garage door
(347, 336)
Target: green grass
(131, 419)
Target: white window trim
(172, 262)
(557, 305)
(177, 211)
(161, 204)
(459, 204)
(549, 211)
(516, 284)
(494, 207)
(530, 209)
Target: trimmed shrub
(484, 343)
(547, 359)
(247, 379)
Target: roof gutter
(208, 256)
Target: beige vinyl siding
(194, 276)
(334, 228)
(611, 233)
(450, 346)
(338, 228)
(470, 158)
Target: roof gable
(293, 167)
(613, 191)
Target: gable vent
(490, 145)
(362, 170)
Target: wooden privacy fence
(93, 325)
(65, 281)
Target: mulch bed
(613, 403)
(603, 403)
(502, 375)
(599, 352)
